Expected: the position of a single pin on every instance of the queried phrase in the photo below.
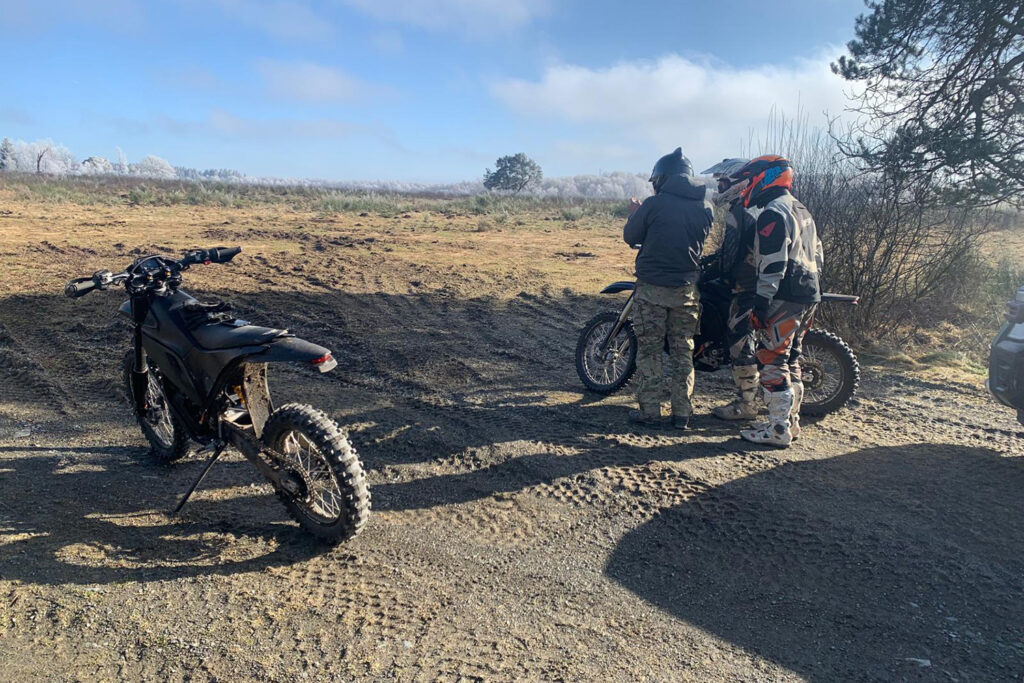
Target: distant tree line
(515, 175)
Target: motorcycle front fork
(623, 317)
(140, 373)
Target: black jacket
(672, 226)
(737, 265)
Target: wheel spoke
(608, 367)
(323, 495)
(158, 415)
(826, 372)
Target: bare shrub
(886, 234)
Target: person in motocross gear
(670, 228)
(788, 258)
(734, 263)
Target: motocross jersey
(787, 250)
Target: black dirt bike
(196, 374)
(606, 351)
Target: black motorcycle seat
(228, 336)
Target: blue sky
(417, 90)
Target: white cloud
(388, 42)
(284, 19)
(315, 83)
(15, 115)
(472, 17)
(189, 77)
(123, 16)
(225, 123)
(613, 152)
(710, 109)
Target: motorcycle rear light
(325, 362)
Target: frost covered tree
(153, 167)
(515, 173)
(96, 165)
(7, 160)
(42, 156)
(122, 162)
(40, 153)
(59, 160)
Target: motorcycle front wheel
(167, 437)
(606, 371)
(830, 373)
(332, 500)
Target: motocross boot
(744, 406)
(794, 414)
(775, 432)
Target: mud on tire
(588, 365)
(168, 441)
(337, 503)
(828, 363)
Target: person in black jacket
(670, 228)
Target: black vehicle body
(200, 361)
(711, 350)
(195, 373)
(1006, 359)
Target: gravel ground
(521, 531)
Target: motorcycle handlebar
(80, 286)
(214, 255)
(101, 280)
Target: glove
(710, 266)
(759, 315)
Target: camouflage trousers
(780, 345)
(665, 313)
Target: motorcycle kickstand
(202, 475)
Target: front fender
(621, 286)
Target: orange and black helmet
(762, 174)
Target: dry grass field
(520, 530)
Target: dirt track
(520, 531)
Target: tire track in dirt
(28, 390)
(521, 532)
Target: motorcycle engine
(710, 359)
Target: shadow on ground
(98, 517)
(885, 564)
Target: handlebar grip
(79, 287)
(223, 254)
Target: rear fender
(295, 350)
(253, 364)
(616, 287)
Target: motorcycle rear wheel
(607, 372)
(830, 373)
(333, 503)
